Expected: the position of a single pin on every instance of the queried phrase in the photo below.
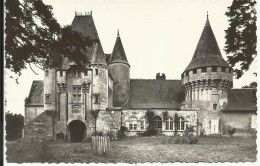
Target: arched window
(133, 123)
(181, 124)
(143, 123)
(157, 122)
(169, 123)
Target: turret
(207, 80)
(100, 79)
(119, 70)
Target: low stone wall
(39, 129)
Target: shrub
(112, 135)
(189, 139)
(231, 131)
(87, 139)
(121, 133)
(149, 131)
(60, 136)
(193, 139)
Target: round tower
(206, 82)
(119, 70)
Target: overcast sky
(157, 35)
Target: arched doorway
(157, 124)
(77, 131)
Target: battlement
(83, 14)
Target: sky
(157, 35)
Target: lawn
(138, 150)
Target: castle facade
(73, 102)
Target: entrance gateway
(77, 130)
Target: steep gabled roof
(207, 52)
(145, 94)
(241, 100)
(36, 94)
(118, 54)
(84, 24)
(98, 56)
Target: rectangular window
(96, 70)
(230, 71)
(96, 98)
(135, 126)
(142, 125)
(47, 98)
(77, 94)
(47, 73)
(204, 69)
(171, 125)
(86, 73)
(214, 106)
(61, 73)
(195, 71)
(130, 126)
(214, 69)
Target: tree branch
(32, 69)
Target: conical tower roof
(207, 52)
(118, 54)
(98, 56)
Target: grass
(138, 150)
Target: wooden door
(214, 126)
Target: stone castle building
(72, 99)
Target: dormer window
(77, 73)
(214, 69)
(223, 69)
(204, 69)
(194, 71)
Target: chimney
(163, 77)
(157, 76)
(160, 77)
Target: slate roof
(207, 52)
(108, 57)
(84, 24)
(98, 56)
(149, 93)
(241, 100)
(36, 94)
(118, 54)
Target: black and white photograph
(130, 81)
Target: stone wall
(32, 112)
(50, 86)
(120, 74)
(39, 129)
(189, 116)
(239, 120)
